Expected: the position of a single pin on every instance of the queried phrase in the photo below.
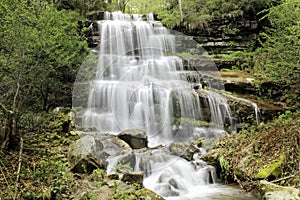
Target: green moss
(193, 122)
(149, 194)
(274, 169)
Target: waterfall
(138, 83)
(134, 79)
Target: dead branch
(238, 181)
(284, 178)
(19, 166)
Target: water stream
(134, 80)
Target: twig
(19, 166)
(284, 178)
(4, 176)
(5, 109)
(239, 182)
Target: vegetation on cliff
(269, 151)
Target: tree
(41, 50)
(180, 11)
(278, 60)
(82, 6)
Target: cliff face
(225, 35)
(220, 35)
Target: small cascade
(134, 80)
(247, 102)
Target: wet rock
(166, 190)
(93, 151)
(173, 183)
(133, 177)
(185, 151)
(271, 191)
(135, 138)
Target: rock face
(271, 191)
(135, 138)
(224, 35)
(93, 151)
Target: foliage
(86, 7)
(82, 6)
(132, 192)
(278, 59)
(41, 50)
(98, 176)
(138, 6)
(197, 13)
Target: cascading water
(137, 82)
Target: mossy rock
(271, 191)
(149, 194)
(273, 170)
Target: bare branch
(5, 109)
(19, 166)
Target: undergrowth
(44, 172)
(245, 155)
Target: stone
(185, 151)
(271, 191)
(135, 138)
(133, 177)
(93, 151)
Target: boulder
(135, 138)
(185, 151)
(271, 191)
(93, 151)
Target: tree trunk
(180, 10)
